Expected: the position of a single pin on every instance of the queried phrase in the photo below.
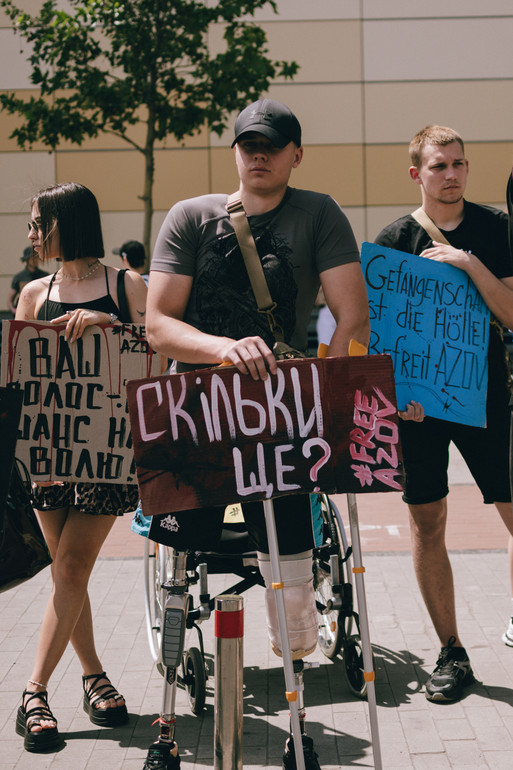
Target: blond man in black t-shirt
(478, 245)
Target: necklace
(82, 277)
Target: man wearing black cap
(133, 257)
(202, 307)
(29, 273)
(202, 312)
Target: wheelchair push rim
(333, 625)
(156, 572)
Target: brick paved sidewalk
(475, 733)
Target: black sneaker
(452, 673)
(309, 755)
(159, 757)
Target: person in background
(75, 517)
(133, 257)
(30, 272)
(477, 244)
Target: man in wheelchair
(202, 312)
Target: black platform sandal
(45, 739)
(96, 693)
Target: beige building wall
(371, 74)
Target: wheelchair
(177, 599)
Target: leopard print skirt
(92, 499)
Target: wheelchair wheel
(331, 632)
(329, 637)
(156, 572)
(353, 666)
(195, 679)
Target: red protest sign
(214, 436)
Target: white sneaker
(507, 637)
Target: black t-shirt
(22, 278)
(484, 232)
(306, 234)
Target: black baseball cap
(27, 253)
(272, 119)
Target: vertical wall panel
(434, 49)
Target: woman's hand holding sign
(79, 319)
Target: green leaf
(102, 64)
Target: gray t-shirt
(299, 239)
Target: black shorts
(200, 529)
(485, 450)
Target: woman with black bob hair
(75, 517)
(74, 209)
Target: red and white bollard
(229, 633)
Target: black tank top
(52, 309)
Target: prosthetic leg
(163, 754)
(299, 753)
(309, 754)
(302, 625)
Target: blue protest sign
(430, 318)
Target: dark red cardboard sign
(215, 436)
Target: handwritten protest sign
(215, 436)
(74, 424)
(430, 318)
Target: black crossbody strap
(124, 310)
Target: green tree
(106, 65)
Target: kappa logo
(170, 523)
